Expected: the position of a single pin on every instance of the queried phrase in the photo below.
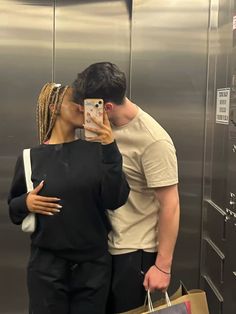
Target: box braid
(51, 93)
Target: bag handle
(150, 304)
(27, 168)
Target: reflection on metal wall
(168, 80)
(38, 42)
(25, 62)
(88, 32)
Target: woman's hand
(104, 132)
(42, 204)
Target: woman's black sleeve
(115, 189)
(17, 195)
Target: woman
(75, 181)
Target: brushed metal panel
(215, 226)
(220, 149)
(230, 269)
(223, 48)
(219, 178)
(210, 100)
(88, 32)
(214, 264)
(214, 298)
(169, 66)
(26, 63)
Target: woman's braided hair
(51, 93)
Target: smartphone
(94, 107)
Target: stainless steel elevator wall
(169, 66)
(219, 209)
(88, 32)
(25, 64)
(163, 48)
(42, 41)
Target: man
(144, 229)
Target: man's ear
(81, 108)
(108, 106)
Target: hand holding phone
(96, 123)
(92, 108)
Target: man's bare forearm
(168, 227)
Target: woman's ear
(52, 107)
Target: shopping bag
(196, 298)
(168, 308)
(182, 308)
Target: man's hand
(42, 204)
(156, 280)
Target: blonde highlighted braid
(51, 94)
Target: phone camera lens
(100, 102)
(96, 105)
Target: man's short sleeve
(160, 164)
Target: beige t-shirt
(149, 161)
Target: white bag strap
(27, 168)
(150, 304)
(167, 299)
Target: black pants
(58, 286)
(127, 291)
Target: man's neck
(124, 113)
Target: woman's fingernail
(51, 214)
(57, 210)
(59, 206)
(42, 182)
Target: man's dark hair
(100, 80)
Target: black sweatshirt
(88, 179)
